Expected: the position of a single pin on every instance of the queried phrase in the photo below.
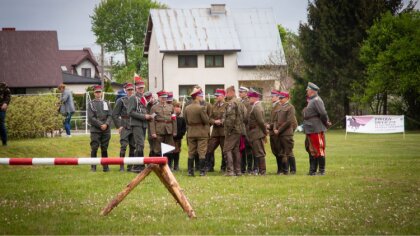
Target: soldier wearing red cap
(197, 120)
(284, 128)
(150, 103)
(274, 140)
(256, 130)
(233, 121)
(170, 98)
(99, 118)
(137, 110)
(163, 127)
(217, 136)
(248, 162)
(122, 123)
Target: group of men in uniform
(236, 124)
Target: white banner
(375, 124)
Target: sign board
(375, 124)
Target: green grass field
(372, 186)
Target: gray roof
(77, 79)
(252, 33)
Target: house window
(187, 61)
(185, 91)
(214, 61)
(86, 72)
(63, 68)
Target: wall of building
(155, 65)
(86, 64)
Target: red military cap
(283, 94)
(196, 92)
(220, 92)
(275, 92)
(129, 86)
(97, 88)
(162, 93)
(147, 95)
(253, 94)
(140, 84)
(170, 96)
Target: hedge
(33, 116)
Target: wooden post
(168, 179)
(126, 191)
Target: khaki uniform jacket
(315, 116)
(233, 119)
(137, 111)
(149, 123)
(256, 125)
(197, 120)
(120, 115)
(217, 112)
(286, 120)
(162, 124)
(273, 116)
(99, 113)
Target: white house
(211, 47)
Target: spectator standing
(4, 103)
(66, 107)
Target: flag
(166, 148)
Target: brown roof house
(29, 61)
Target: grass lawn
(372, 186)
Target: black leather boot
(122, 155)
(278, 162)
(256, 165)
(312, 165)
(249, 161)
(210, 166)
(262, 165)
(176, 161)
(93, 155)
(170, 160)
(223, 163)
(202, 167)
(191, 166)
(105, 155)
(321, 161)
(243, 161)
(292, 164)
(196, 163)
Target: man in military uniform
(170, 98)
(233, 121)
(99, 118)
(315, 123)
(181, 130)
(217, 136)
(284, 127)
(248, 162)
(122, 123)
(163, 127)
(256, 130)
(150, 103)
(197, 121)
(4, 103)
(274, 140)
(139, 118)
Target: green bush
(33, 116)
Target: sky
(71, 18)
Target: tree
(391, 54)
(120, 25)
(330, 46)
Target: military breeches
(275, 145)
(286, 145)
(139, 134)
(100, 139)
(214, 142)
(232, 143)
(178, 145)
(197, 145)
(127, 139)
(258, 149)
(164, 138)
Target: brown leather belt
(164, 121)
(195, 124)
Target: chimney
(9, 29)
(217, 9)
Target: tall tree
(120, 25)
(392, 55)
(331, 42)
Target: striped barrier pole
(84, 161)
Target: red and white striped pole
(84, 161)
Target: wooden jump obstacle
(155, 164)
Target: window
(187, 61)
(86, 72)
(214, 61)
(211, 88)
(185, 91)
(63, 68)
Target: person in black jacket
(181, 130)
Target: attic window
(86, 72)
(63, 68)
